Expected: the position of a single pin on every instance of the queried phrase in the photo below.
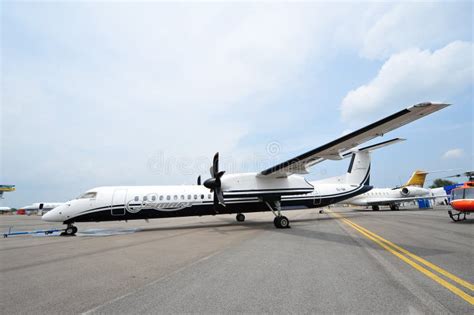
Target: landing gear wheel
(69, 231)
(394, 207)
(281, 222)
(276, 222)
(240, 217)
(375, 208)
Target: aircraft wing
(334, 150)
(391, 201)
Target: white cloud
(414, 24)
(95, 89)
(410, 77)
(453, 154)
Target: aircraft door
(119, 198)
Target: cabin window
(458, 194)
(136, 198)
(202, 196)
(161, 198)
(189, 197)
(195, 197)
(469, 194)
(168, 197)
(153, 198)
(88, 195)
(145, 198)
(182, 197)
(175, 197)
(209, 196)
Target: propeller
(214, 183)
(199, 180)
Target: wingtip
(426, 104)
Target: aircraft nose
(52, 215)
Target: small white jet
(274, 189)
(41, 207)
(393, 197)
(5, 209)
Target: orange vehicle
(462, 200)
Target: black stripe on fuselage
(233, 205)
(208, 209)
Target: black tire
(375, 208)
(276, 222)
(240, 217)
(284, 222)
(74, 230)
(69, 231)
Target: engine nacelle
(251, 185)
(413, 191)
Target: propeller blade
(218, 197)
(214, 183)
(199, 180)
(215, 165)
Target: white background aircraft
(393, 197)
(279, 187)
(42, 207)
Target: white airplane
(393, 197)
(274, 189)
(42, 207)
(5, 209)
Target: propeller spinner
(214, 183)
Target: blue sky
(104, 93)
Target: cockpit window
(88, 195)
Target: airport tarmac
(341, 261)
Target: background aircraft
(6, 188)
(393, 197)
(40, 207)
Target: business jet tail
(417, 179)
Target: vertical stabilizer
(358, 172)
(417, 179)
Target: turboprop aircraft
(274, 189)
(393, 197)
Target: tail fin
(358, 172)
(417, 179)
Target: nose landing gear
(70, 230)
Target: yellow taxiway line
(405, 256)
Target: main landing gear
(394, 207)
(375, 208)
(70, 230)
(456, 217)
(280, 221)
(240, 217)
